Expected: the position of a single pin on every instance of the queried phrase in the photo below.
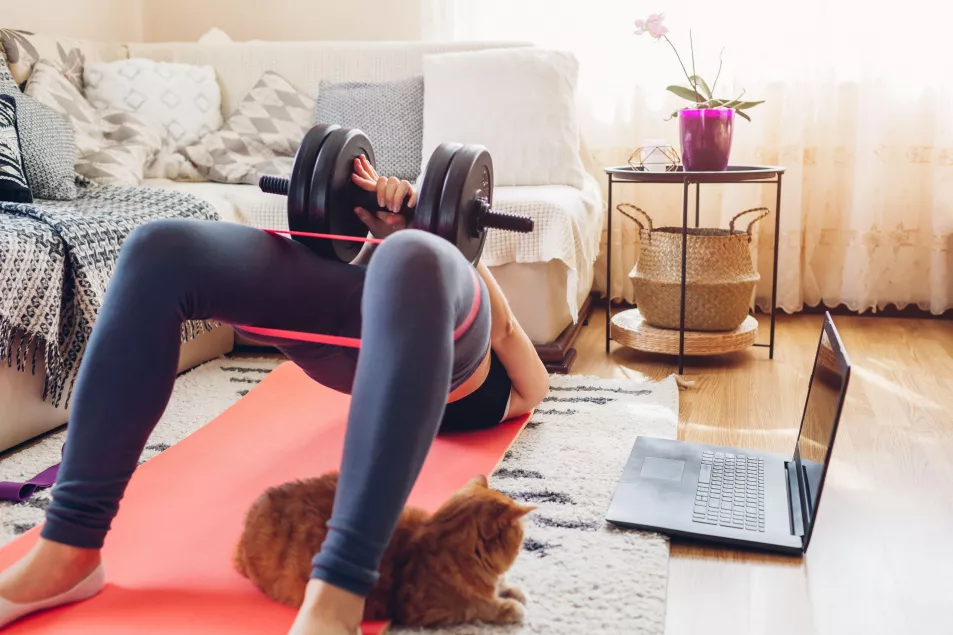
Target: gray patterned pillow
(391, 114)
(259, 138)
(49, 148)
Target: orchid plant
(698, 90)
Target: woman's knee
(414, 257)
(161, 248)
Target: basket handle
(633, 218)
(764, 212)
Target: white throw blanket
(569, 233)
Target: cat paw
(509, 611)
(513, 593)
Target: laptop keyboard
(730, 491)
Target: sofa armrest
(24, 414)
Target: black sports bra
(484, 407)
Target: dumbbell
(454, 201)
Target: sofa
(546, 276)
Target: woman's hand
(391, 193)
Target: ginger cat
(439, 570)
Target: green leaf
(702, 84)
(674, 115)
(684, 93)
(747, 104)
(743, 115)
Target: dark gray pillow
(47, 142)
(391, 114)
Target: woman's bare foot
(328, 610)
(49, 569)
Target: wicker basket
(719, 275)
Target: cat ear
(515, 512)
(478, 481)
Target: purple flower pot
(706, 138)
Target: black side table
(758, 174)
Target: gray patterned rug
(580, 574)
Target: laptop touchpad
(664, 469)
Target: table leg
(681, 326)
(698, 194)
(609, 266)
(774, 279)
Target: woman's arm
(515, 350)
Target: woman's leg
(418, 290)
(168, 272)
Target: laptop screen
(821, 413)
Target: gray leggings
(405, 306)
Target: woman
(440, 349)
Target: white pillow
(215, 36)
(519, 103)
(186, 98)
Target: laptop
(740, 497)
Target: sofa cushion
(537, 295)
(47, 142)
(14, 186)
(113, 146)
(259, 138)
(391, 114)
(236, 203)
(184, 97)
(519, 103)
(23, 50)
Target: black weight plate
(428, 198)
(299, 186)
(469, 180)
(333, 192)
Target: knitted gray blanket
(56, 258)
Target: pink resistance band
(353, 239)
(354, 342)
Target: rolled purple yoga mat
(21, 492)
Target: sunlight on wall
(808, 41)
(284, 20)
(187, 20)
(107, 20)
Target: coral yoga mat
(169, 556)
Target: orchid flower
(652, 25)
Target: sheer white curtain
(859, 109)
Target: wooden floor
(881, 559)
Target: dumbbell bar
(454, 201)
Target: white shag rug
(581, 575)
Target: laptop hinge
(794, 499)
